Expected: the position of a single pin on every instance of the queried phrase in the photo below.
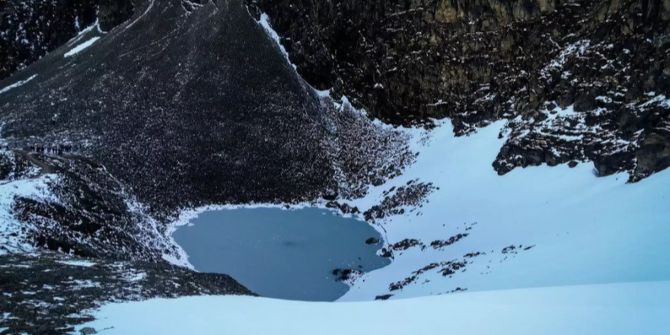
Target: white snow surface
(81, 47)
(12, 237)
(82, 263)
(17, 84)
(584, 229)
(608, 309)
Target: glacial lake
(286, 254)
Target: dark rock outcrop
(412, 196)
(481, 61)
(88, 213)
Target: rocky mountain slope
(30, 29)
(480, 61)
(106, 138)
(129, 125)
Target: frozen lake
(287, 254)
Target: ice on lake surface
(287, 254)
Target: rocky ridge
(523, 61)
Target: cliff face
(480, 61)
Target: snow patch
(13, 233)
(576, 49)
(81, 284)
(660, 100)
(82, 263)
(135, 277)
(81, 47)
(94, 28)
(17, 84)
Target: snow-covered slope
(451, 223)
(538, 226)
(633, 308)
(12, 231)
